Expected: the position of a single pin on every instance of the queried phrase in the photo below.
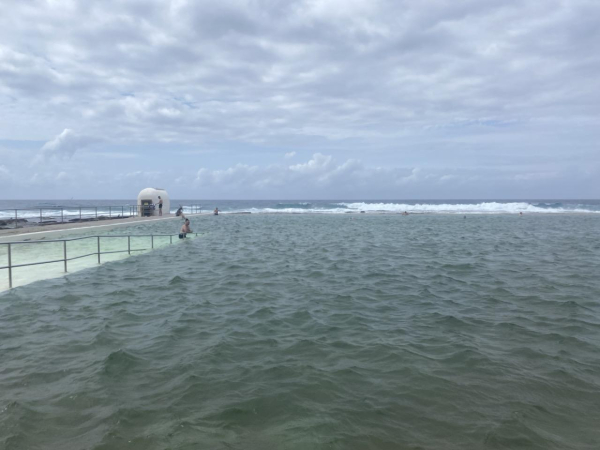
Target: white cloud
(289, 155)
(445, 178)
(318, 164)
(317, 176)
(64, 146)
(322, 177)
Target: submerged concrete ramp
(26, 261)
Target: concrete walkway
(31, 232)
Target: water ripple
(295, 332)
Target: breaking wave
(462, 208)
(493, 207)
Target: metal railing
(65, 259)
(60, 214)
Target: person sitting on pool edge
(179, 212)
(185, 229)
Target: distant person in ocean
(185, 229)
(405, 213)
(216, 212)
(160, 203)
(179, 213)
(521, 213)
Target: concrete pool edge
(16, 233)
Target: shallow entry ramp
(58, 256)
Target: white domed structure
(148, 201)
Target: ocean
(51, 209)
(476, 328)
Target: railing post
(129, 244)
(15, 218)
(171, 239)
(9, 267)
(98, 249)
(110, 211)
(152, 238)
(65, 253)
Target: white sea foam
(426, 208)
(461, 208)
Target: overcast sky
(274, 99)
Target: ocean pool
(316, 331)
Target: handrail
(65, 258)
(67, 207)
(72, 213)
(89, 237)
(77, 207)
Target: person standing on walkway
(160, 203)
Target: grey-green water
(316, 332)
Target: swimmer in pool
(185, 229)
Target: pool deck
(31, 231)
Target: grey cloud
(440, 85)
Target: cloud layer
(501, 89)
